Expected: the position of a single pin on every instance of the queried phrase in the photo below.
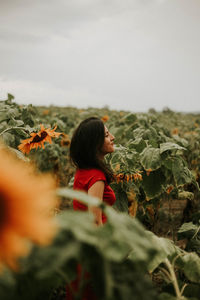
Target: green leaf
(181, 173)
(10, 97)
(130, 283)
(7, 278)
(181, 141)
(186, 195)
(138, 132)
(3, 116)
(7, 284)
(47, 260)
(125, 238)
(192, 267)
(8, 138)
(12, 113)
(170, 146)
(139, 145)
(194, 244)
(187, 230)
(27, 117)
(150, 158)
(130, 118)
(165, 249)
(131, 234)
(121, 203)
(153, 184)
(151, 136)
(16, 123)
(166, 296)
(113, 241)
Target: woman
(91, 141)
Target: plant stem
(196, 232)
(166, 273)
(182, 290)
(10, 128)
(173, 278)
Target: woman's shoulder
(85, 178)
(90, 172)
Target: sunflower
(105, 118)
(137, 176)
(169, 189)
(148, 171)
(65, 141)
(37, 139)
(27, 203)
(127, 177)
(175, 131)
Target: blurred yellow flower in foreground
(27, 203)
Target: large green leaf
(188, 230)
(121, 203)
(130, 283)
(181, 173)
(153, 183)
(170, 146)
(16, 123)
(192, 267)
(181, 141)
(138, 133)
(130, 233)
(166, 249)
(7, 284)
(150, 158)
(126, 237)
(151, 136)
(130, 118)
(3, 116)
(186, 195)
(8, 138)
(113, 241)
(138, 144)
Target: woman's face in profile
(108, 146)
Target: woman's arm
(96, 190)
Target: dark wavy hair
(86, 144)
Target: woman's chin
(112, 150)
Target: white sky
(128, 54)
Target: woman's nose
(112, 137)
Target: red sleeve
(96, 175)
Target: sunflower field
(149, 249)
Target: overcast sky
(127, 54)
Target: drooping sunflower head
(38, 139)
(27, 203)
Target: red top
(84, 179)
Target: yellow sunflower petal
(27, 202)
